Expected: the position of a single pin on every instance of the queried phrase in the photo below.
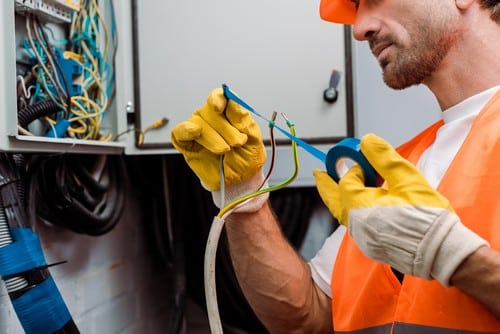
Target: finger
(186, 131)
(322, 177)
(354, 192)
(186, 135)
(217, 101)
(235, 113)
(183, 135)
(241, 118)
(353, 180)
(329, 192)
(388, 163)
(215, 114)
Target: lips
(377, 49)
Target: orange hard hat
(338, 11)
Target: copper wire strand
(273, 149)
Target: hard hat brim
(338, 11)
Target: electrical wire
(217, 227)
(53, 79)
(230, 206)
(18, 282)
(273, 150)
(83, 193)
(33, 292)
(34, 111)
(42, 36)
(92, 44)
(141, 133)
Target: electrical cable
(34, 111)
(33, 292)
(83, 193)
(273, 150)
(79, 79)
(53, 79)
(159, 123)
(215, 232)
(50, 54)
(293, 207)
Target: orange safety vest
(366, 295)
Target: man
(421, 254)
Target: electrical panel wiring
(53, 10)
(63, 76)
(74, 69)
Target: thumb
(329, 192)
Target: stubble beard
(411, 65)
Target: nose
(365, 26)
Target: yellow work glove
(223, 128)
(405, 223)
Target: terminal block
(51, 10)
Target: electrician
(418, 254)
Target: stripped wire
(159, 123)
(273, 149)
(225, 211)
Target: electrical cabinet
(52, 86)
(277, 56)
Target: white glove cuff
(458, 243)
(237, 190)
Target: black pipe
(32, 112)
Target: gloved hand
(223, 128)
(405, 223)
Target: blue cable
(41, 309)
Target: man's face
(410, 39)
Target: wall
(111, 284)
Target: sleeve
(322, 263)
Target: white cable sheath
(209, 276)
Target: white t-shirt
(433, 164)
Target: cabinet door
(276, 55)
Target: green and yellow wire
(231, 205)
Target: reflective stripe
(366, 294)
(383, 329)
(400, 328)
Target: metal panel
(276, 55)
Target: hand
(405, 223)
(223, 128)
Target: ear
(464, 4)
